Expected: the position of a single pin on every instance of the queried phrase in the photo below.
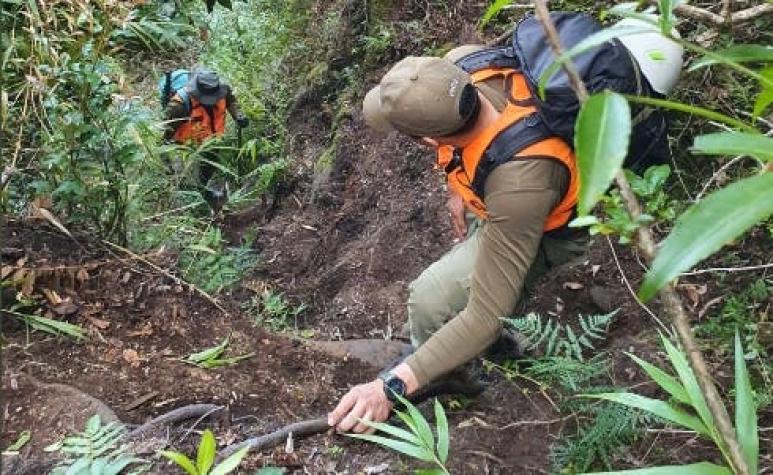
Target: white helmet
(659, 58)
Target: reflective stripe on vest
(518, 126)
(200, 124)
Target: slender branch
(633, 294)
(728, 269)
(670, 299)
(168, 274)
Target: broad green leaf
(493, 10)
(601, 137)
(392, 430)
(707, 226)
(735, 143)
(20, 442)
(181, 460)
(765, 97)
(407, 421)
(745, 410)
(442, 432)
(703, 468)
(423, 430)
(588, 44)
(230, 464)
(736, 54)
(689, 382)
(667, 382)
(411, 450)
(429, 471)
(205, 456)
(417, 423)
(55, 327)
(655, 406)
(209, 353)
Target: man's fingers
(361, 427)
(341, 409)
(351, 419)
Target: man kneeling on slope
(522, 185)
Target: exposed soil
(347, 244)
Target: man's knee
(428, 308)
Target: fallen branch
(279, 436)
(672, 303)
(706, 16)
(728, 269)
(166, 273)
(176, 415)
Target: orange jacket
(200, 124)
(516, 135)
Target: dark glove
(242, 121)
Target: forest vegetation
(143, 333)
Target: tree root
(297, 429)
(176, 415)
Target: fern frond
(95, 451)
(569, 373)
(613, 429)
(562, 340)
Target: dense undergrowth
(82, 147)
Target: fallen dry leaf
(29, 283)
(52, 296)
(5, 271)
(594, 270)
(82, 275)
(573, 285)
(98, 322)
(131, 357)
(65, 307)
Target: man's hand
(455, 207)
(366, 402)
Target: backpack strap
(503, 57)
(527, 131)
(186, 98)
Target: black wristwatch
(393, 385)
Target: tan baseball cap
(420, 96)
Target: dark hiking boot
(461, 381)
(215, 198)
(511, 344)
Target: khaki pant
(442, 290)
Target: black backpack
(608, 66)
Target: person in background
(199, 113)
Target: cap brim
(374, 113)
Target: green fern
(569, 373)
(561, 340)
(614, 427)
(95, 451)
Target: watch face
(394, 386)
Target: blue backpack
(174, 82)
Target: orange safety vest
(518, 134)
(201, 124)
